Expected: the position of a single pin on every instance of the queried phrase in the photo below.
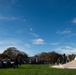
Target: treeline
(50, 57)
(53, 57)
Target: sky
(36, 26)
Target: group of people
(8, 63)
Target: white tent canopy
(69, 65)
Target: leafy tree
(50, 57)
(25, 56)
(4, 56)
(12, 52)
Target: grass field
(37, 70)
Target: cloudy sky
(36, 26)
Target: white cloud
(69, 51)
(66, 31)
(70, 44)
(27, 45)
(33, 34)
(10, 42)
(68, 47)
(74, 20)
(38, 41)
(11, 18)
(8, 18)
(55, 43)
(66, 50)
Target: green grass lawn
(37, 70)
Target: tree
(50, 57)
(24, 56)
(12, 52)
(4, 56)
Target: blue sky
(36, 26)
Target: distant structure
(69, 65)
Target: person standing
(16, 63)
